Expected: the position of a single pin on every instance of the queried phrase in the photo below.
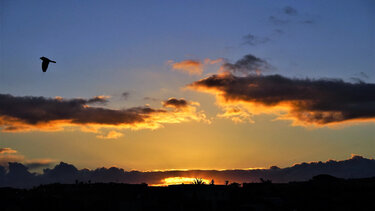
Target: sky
(153, 85)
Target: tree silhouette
(198, 181)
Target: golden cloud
(306, 102)
(192, 67)
(21, 114)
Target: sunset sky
(156, 85)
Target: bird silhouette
(45, 63)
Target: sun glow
(179, 181)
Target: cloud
(7, 150)
(8, 155)
(316, 102)
(101, 99)
(6, 158)
(38, 163)
(192, 67)
(290, 10)
(110, 135)
(253, 40)
(249, 64)
(51, 114)
(175, 103)
(354, 167)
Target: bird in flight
(45, 63)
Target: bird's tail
(53, 61)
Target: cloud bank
(18, 175)
(11, 155)
(53, 114)
(305, 101)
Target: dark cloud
(40, 113)
(253, 40)
(96, 99)
(321, 101)
(247, 65)
(125, 95)
(290, 10)
(19, 176)
(175, 103)
(40, 110)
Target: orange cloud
(38, 163)
(6, 158)
(8, 155)
(7, 150)
(192, 67)
(306, 102)
(21, 114)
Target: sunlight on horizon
(179, 181)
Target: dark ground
(323, 192)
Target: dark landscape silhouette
(17, 175)
(322, 192)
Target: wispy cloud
(192, 67)
(249, 64)
(8, 155)
(38, 163)
(289, 15)
(7, 150)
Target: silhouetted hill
(322, 192)
(18, 175)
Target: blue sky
(111, 47)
